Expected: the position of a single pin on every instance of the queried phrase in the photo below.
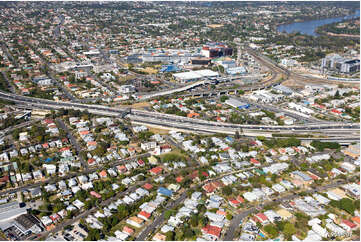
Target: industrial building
(283, 89)
(237, 104)
(201, 61)
(236, 70)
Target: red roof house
(144, 215)
(156, 170)
(212, 230)
(147, 186)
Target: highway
(147, 117)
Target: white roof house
(77, 203)
(278, 188)
(320, 231)
(321, 199)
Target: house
(135, 221)
(320, 231)
(164, 191)
(103, 174)
(213, 232)
(356, 220)
(148, 146)
(46, 220)
(140, 162)
(166, 228)
(348, 225)
(209, 188)
(214, 216)
(156, 170)
(352, 151)
(302, 176)
(335, 229)
(278, 188)
(260, 217)
(284, 214)
(23, 136)
(77, 203)
(255, 162)
(50, 188)
(233, 202)
(128, 230)
(95, 194)
(50, 169)
(37, 174)
(144, 215)
(159, 237)
(272, 216)
(122, 169)
(148, 186)
(121, 235)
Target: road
(24, 124)
(172, 204)
(235, 222)
(105, 203)
(276, 109)
(160, 219)
(51, 74)
(56, 179)
(73, 141)
(90, 211)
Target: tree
(271, 231)
(194, 220)
(188, 233)
(289, 230)
(227, 190)
(167, 214)
(169, 236)
(224, 98)
(229, 216)
(236, 136)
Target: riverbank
(309, 27)
(349, 29)
(341, 35)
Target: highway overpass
(177, 122)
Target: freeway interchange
(343, 131)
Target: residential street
(235, 222)
(73, 141)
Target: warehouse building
(237, 104)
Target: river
(309, 27)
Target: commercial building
(166, 55)
(184, 77)
(338, 63)
(213, 50)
